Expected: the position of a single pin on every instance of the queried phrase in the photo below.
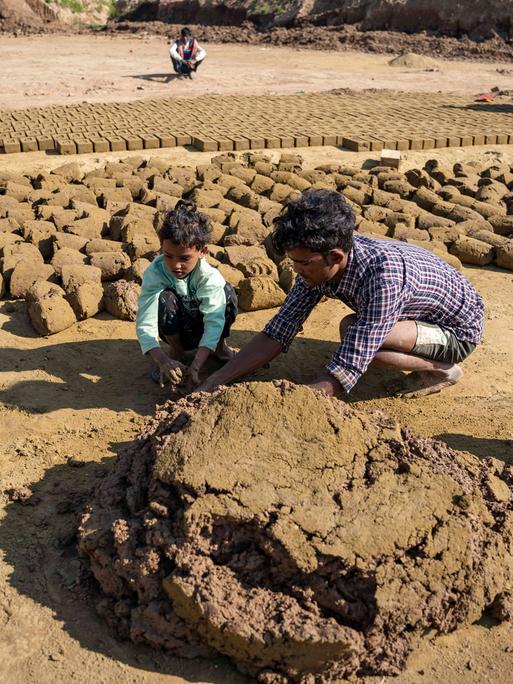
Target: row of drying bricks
(117, 130)
(213, 140)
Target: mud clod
(318, 545)
(120, 299)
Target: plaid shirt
(384, 282)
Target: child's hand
(193, 379)
(172, 369)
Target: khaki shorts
(439, 344)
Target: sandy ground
(65, 69)
(71, 402)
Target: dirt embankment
(333, 38)
(27, 16)
(471, 28)
(380, 27)
(477, 18)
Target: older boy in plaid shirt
(413, 312)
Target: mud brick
(454, 141)
(182, 138)
(166, 139)
(479, 139)
(240, 143)
(116, 144)
(66, 146)
(11, 145)
(205, 144)
(272, 142)
(28, 144)
(84, 146)
(441, 142)
(300, 140)
(502, 139)
(376, 145)
(428, 144)
(45, 142)
(256, 141)
(490, 139)
(150, 142)
(403, 145)
(467, 140)
(133, 142)
(389, 143)
(329, 139)
(100, 144)
(224, 144)
(285, 139)
(416, 143)
(356, 144)
(315, 139)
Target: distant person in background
(186, 54)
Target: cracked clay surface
(303, 539)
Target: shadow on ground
(157, 78)
(482, 447)
(39, 542)
(112, 373)
(489, 107)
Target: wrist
(327, 384)
(156, 354)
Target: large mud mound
(297, 536)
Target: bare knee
(345, 323)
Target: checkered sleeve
(380, 303)
(293, 313)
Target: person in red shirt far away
(412, 311)
(186, 54)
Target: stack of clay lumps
(463, 214)
(73, 242)
(319, 545)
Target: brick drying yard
(77, 231)
(366, 121)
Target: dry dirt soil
(71, 402)
(66, 69)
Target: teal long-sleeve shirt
(203, 288)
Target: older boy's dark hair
(185, 225)
(319, 220)
(186, 32)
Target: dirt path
(122, 68)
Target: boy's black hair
(185, 32)
(319, 220)
(185, 225)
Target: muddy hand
(208, 385)
(174, 370)
(193, 379)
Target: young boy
(413, 312)
(184, 301)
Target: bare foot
(423, 383)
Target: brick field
(365, 121)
